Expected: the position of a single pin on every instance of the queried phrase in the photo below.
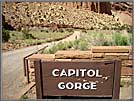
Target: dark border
(1, 50)
(66, 1)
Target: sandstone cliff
(87, 15)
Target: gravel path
(13, 80)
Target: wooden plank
(50, 83)
(110, 49)
(38, 79)
(25, 66)
(116, 86)
(27, 70)
(41, 56)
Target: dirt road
(13, 80)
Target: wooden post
(26, 69)
(38, 79)
(116, 86)
(24, 62)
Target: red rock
(73, 55)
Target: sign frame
(39, 80)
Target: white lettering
(71, 72)
(76, 73)
(78, 85)
(82, 72)
(54, 72)
(61, 85)
(93, 85)
(69, 85)
(97, 73)
(86, 86)
(63, 73)
(91, 73)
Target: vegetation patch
(71, 45)
(107, 38)
(24, 97)
(91, 38)
(125, 83)
(18, 39)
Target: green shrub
(83, 45)
(130, 39)
(44, 30)
(121, 40)
(5, 35)
(24, 97)
(69, 29)
(52, 50)
(26, 34)
(59, 46)
(62, 46)
(100, 39)
(107, 39)
(61, 30)
(33, 42)
(76, 44)
(106, 43)
(125, 83)
(93, 39)
(14, 35)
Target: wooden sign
(82, 79)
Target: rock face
(83, 15)
(123, 11)
(73, 55)
(122, 6)
(99, 7)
